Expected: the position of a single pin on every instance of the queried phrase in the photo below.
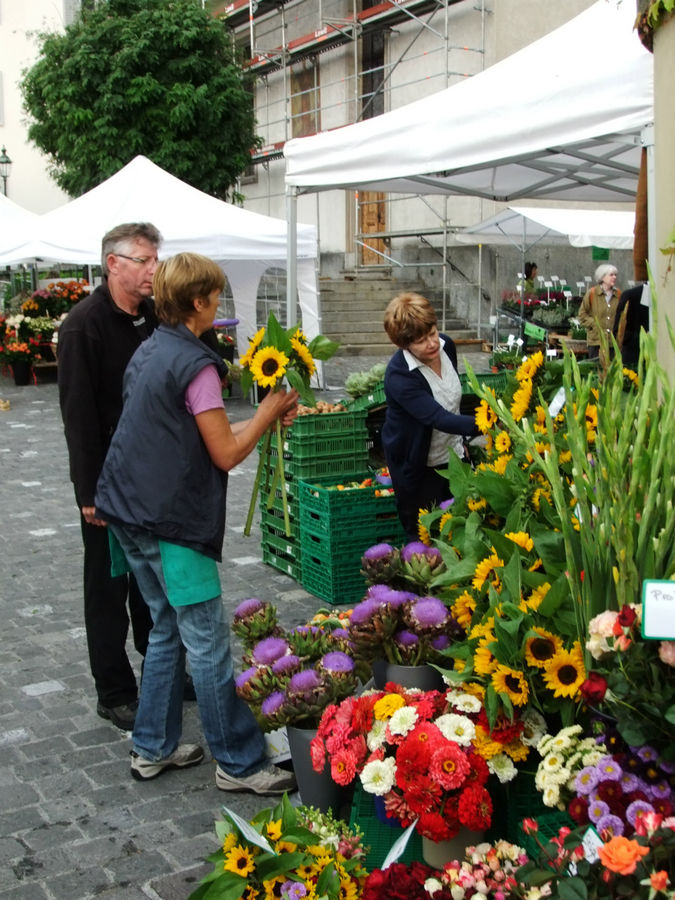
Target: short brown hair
(407, 318)
(179, 280)
(120, 238)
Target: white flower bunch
(563, 756)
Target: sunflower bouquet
(285, 852)
(275, 354)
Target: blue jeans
(199, 629)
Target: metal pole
(291, 255)
(480, 287)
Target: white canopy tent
(17, 225)
(548, 122)
(244, 243)
(526, 226)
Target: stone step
(375, 339)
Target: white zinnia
(431, 885)
(403, 720)
(456, 728)
(551, 795)
(378, 776)
(466, 703)
(502, 766)
(377, 735)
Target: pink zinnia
(449, 765)
(343, 767)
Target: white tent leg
(291, 254)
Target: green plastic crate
(333, 445)
(335, 584)
(380, 836)
(323, 507)
(373, 398)
(326, 424)
(494, 380)
(284, 562)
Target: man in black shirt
(96, 341)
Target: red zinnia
(423, 795)
(436, 826)
(475, 808)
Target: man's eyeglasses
(141, 260)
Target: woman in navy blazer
(422, 423)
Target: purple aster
(304, 682)
(659, 791)
(272, 704)
(293, 890)
(286, 664)
(378, 551)
(429, 612)
(668, 767)
(269, 650)
(630, 783)
(446, 504)
(247, 608)
(596, 810)
(586, 780)
(406, 638)
(442, 642)
(337, 662)
(364, 611)
(245, 676)
(610, 826)
(646, 753)
(609, 769)
(636, 809)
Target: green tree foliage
(150, 77)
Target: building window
(305, 112)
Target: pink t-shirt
(204, 392)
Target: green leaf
(225, 888)
(572, 889)
(275, 336)
(270, 867)
(297, 382)
(322, 347)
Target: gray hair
(120, 238)
(604, 269)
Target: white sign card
(590, 843)
(249, 832)
(658, 610)
(398, 847)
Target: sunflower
(463, 609)
(303, 354)
(521, 538)
(486, 417)
(268, 366)
(273, 887)
(631, 376)
(422, 530)
(529, 367)
(502, 462)
(539, 495)
(484, 568)
(240, 861)
(475, 505)
(565, 456)
(534, 600)
(229, 842)
(274, 830)
(253, 345)
(591, 416)
(542, 647)
(565, 673)
(511, 682)
(521, 400)
(484, 660)
(442, 522)
(250, 893)
(502, 442)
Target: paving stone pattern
(73, 823)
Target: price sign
(658, 610)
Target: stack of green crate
(337, 524)
(316, 445)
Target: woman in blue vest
(162, 491)
(422, 423)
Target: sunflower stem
(263, 458)
(281, 475)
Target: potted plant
(19, 355)
(505, 358)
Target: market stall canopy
(551, 121)
(244, 243)
(17, 225)
(526, 226)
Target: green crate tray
(327, 507)
(274, 527)
(327, 424)
(276, 510)
(282, 561)
(494, 380)
(336, 544)
(343, 466)
(334, 584)
(378, 836)
(307, 448)
(376, 397)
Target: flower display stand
(426, 678)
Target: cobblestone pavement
(73, 824)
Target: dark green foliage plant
(152, 77)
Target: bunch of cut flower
(290, 677)
(639, 868)
(14, 351)
(487, 872)
(284, 852)
(632, 679)
(427, 754)
(275, 353)
(401, 627)
(602, 781)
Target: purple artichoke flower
(377, 592)
(248, 608)
(378, 551)
(397, 598)
(245, 676)
(364, 611)
(406, 638)
(272, 704)
(337, 663)
(340, 633)
(286, 664)
(268, 651)
(429, 612)
(417, 548)
(442, 642)
(304, 682)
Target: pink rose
(667, 652)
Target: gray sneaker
(268, 780)
(184, 756)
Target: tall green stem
(263, 460)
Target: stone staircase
(352, 311)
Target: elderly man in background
(96, 341)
